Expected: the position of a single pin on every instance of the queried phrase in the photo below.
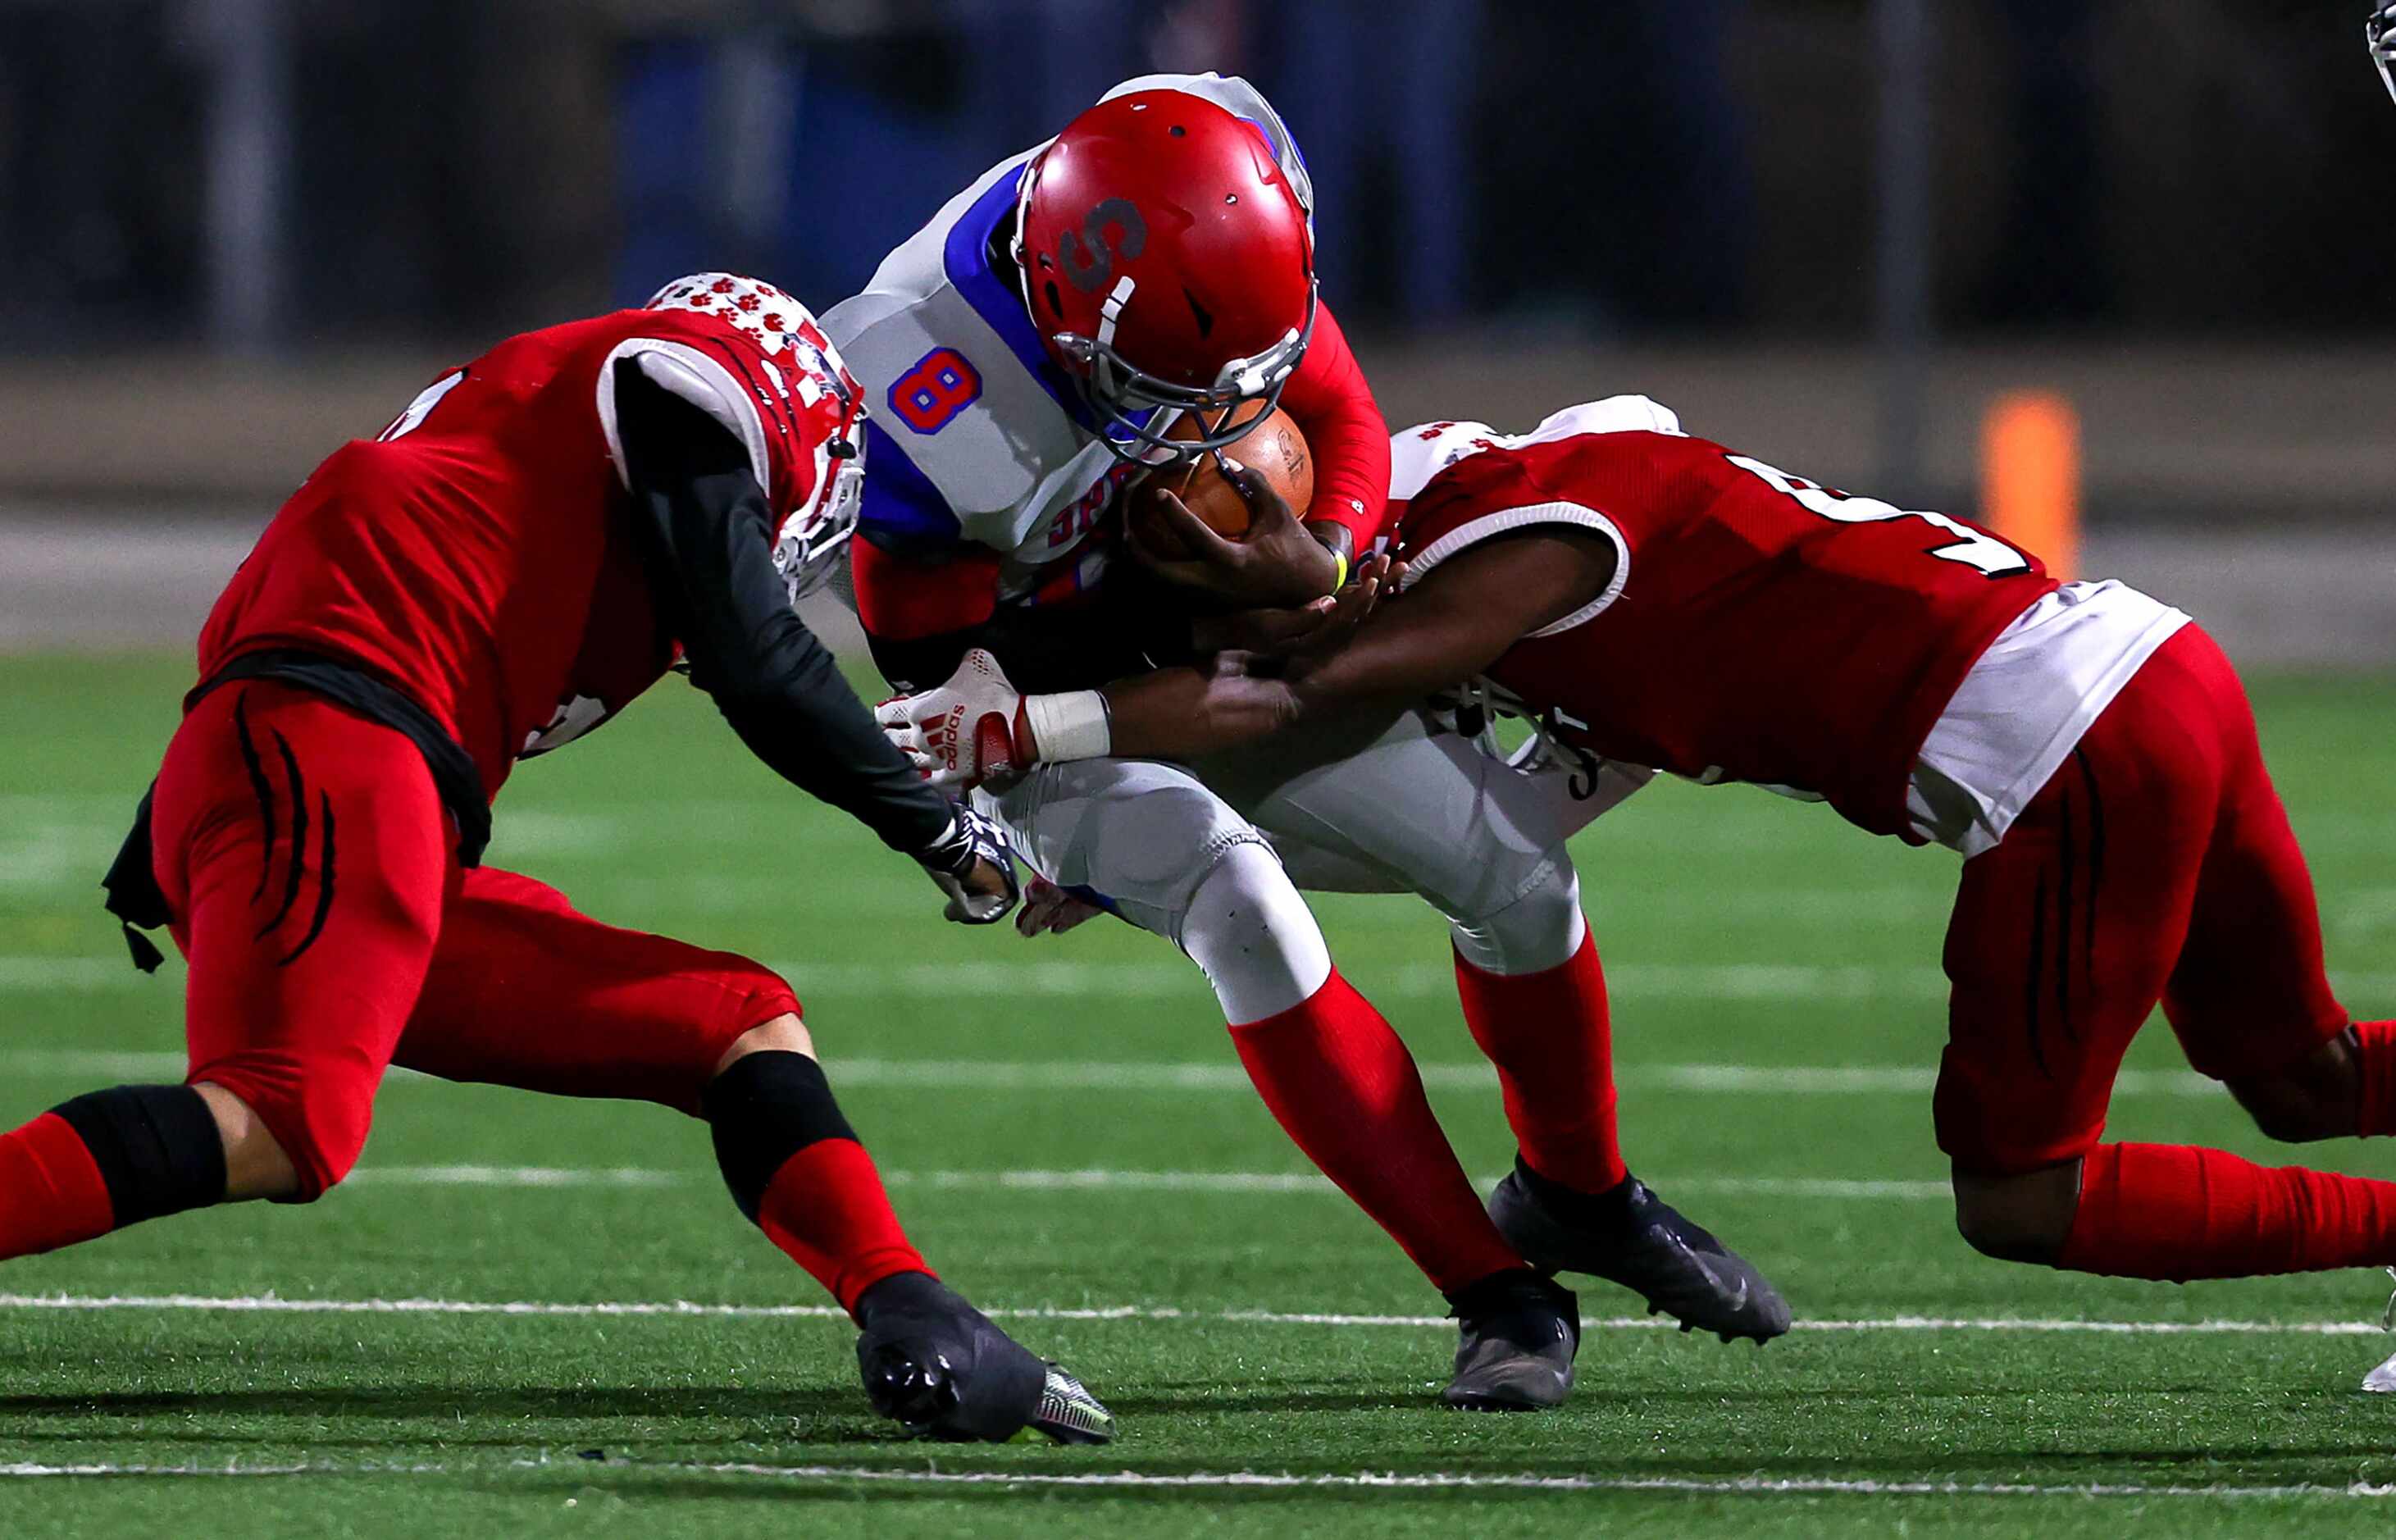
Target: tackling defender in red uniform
(1657, 598)
(534, 542)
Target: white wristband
(1070, 726)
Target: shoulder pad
(1622, 414)
(1243, 100)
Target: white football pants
(1210, 856)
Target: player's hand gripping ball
(1272, 447)
(1225, 527)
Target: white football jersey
(974, 434)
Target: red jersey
(1759, 627)
(479, 555)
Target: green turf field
(1069, 1137)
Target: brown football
(1272, 444)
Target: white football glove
(965, 732)
(2380, 33)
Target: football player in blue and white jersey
(1027, 355)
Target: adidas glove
(977, 730)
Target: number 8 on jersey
(928, 396)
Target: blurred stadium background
(1836, 234)
(1831, 232)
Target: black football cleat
(933, 1362)
(1516, 1334)
(1629, 1235)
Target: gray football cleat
(934, 1364)
(2382, 1380)
(1629, 1235)
(1516, 1334)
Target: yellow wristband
(1340, 581)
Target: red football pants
(309, 867)
(2157, 864)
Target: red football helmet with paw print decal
(1167, 259)
(815, 387)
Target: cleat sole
(1487, 1405)
(1069, 1414)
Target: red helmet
(1168, 262)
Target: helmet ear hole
(1056, 303)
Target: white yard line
(1758, 1485)
(98, 1064)
(1175, 1075)
(68, 975)
(312, 1468)
(1838, 1189)
(128, 1064)
(23, 1468)
(1272, 1183)
(1159, 979)
(1374, 1481)
(516, 1177)
(277, 1304)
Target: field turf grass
(1778, 1014)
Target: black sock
(765, 1110)
(1610, 1209)
(157, 1148)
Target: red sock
(2177, 1211)
(2376, 1054)
(1344, 1088)
(51, 1194)
(1553, 1042)
(827, 1211)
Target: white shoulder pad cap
(1622, 414)
(1241, 100)
(699, 379)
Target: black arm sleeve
(707, 537)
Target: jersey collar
(965, 259)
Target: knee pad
(1246, 927)
(1539, 929)
(765, 1110)
(1143, 833)
(157, 1149)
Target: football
(1271, 444)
